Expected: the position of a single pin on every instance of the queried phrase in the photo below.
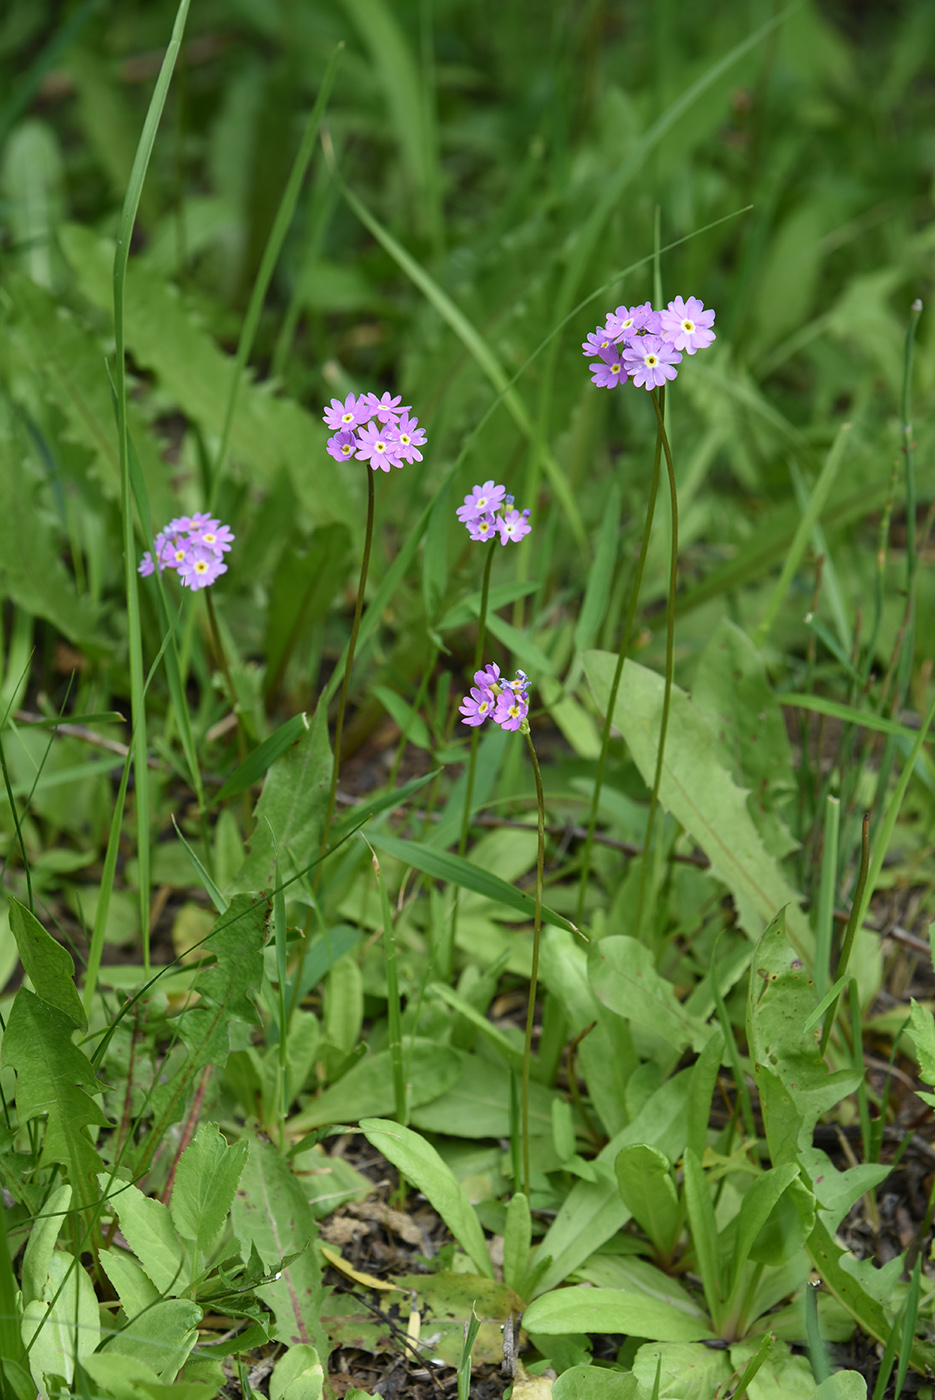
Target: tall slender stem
(475, 735)
(615, 684)
(670, 659)
(534, 976)
(345, 683)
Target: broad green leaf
(457, 871)
(344, 1004)
(48, 965)
(644, 1177)
(517, 1238)
(51, 1075)
(843, 1385)
(205, 1181)
(119, 1375)
(477, 1104)
(57, 1333)
(699, 793)
(134, 1288)
(609, 1310)
(298, 1375)
(162, 1337)
(419, 1163)
(624, 977)
(259, 762)
(146, 1225)
(794, 1082)
(787, 1226)
(757, 1206)
(704, 1236)
(593, 1212)
(686, 1372)
(600, 575)
(267, 434)
(293, 803)
(596, 1383)
(41, 1243)
(31, 570)
(732, 691)
(367, 1088)
(632, 1274)
(271, 1213)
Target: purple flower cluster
(638, 343)
(374, 430)
(491, 697)
(193, 545)
(480, 515)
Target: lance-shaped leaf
(48, 965)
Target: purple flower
(343, 444)
(174, 552)
(650, 361)
(214, 536)
(607, 376)
(410, 437)
(598, 341)
(349, 414)
(386, 408)
(178, 525)
(201, 567)
(686, 325)
(146, 565)
(512, 708)
(513, 526)
(477, 706)
(379, 446)
(481, 501)
(483, 528)
(489, 677)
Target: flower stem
(670, 658)
(345, 683)
(615, 684)
(534, 976)
(475, 734)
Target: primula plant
(471, 936)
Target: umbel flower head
(374, 430)
(488, 511)
(492, 697)
(193, 545)
(638, 343)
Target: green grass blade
(802, 535)
(823, 705)
(135, 642)
(829, 871)
(277, 237)
(255, 765)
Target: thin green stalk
(909, 449)
(534, 975)
(670, 659)
(615, 684)
(829, 868)
(284, 216)
(475, 732)
(134, 633)
(853, 924)
(393, 1010)
(345, 683)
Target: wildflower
(481, 501)
(491, 697)
(349, 414)
(607, 376)
(598, 340)
(378, 446)
(343, 444)
(627, 321)
(514, 526)
(686, 325)
(193, 545)
(386, 408)
(650, 361)
(410, 438)
(512, 708)
(483, 528)
(477, 706)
